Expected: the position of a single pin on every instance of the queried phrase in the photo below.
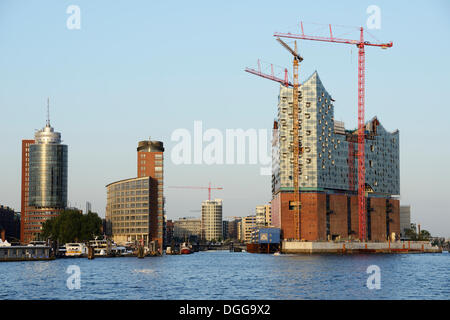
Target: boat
(75, 250)
(185, 248)
(25, 253)
(37, 244)
(61, 251)
(100, 247)
(4, 243)
(120, 251)
(277, 253)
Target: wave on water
(143, 270)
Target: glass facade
(48, 176)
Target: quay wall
(358, 247)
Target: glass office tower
(48, 170)
(44, 181)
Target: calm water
(225, 275)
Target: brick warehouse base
(359, 247)
(324, 216)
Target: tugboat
(185, 249)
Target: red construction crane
(195, 187)
(361, 44)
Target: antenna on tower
(48, 112)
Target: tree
(72, 226)
(412, 234)
(424, 235)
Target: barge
(25, 253)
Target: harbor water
(224, 275)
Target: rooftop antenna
(48, 112)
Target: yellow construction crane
(295, 142)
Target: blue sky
(145, 68)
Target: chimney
(3, 235)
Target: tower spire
(48, 112)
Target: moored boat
(185, 248)
(75, 250)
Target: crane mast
(295, 148)
(296, 151)
(361, 140)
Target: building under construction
(328, 171)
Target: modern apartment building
(25, 189)
(212, 220)
(328, 170)
(225, 225)
(128, 213)
(10, 223)
(135, 206)
(264, 215)
(168, 238)
(232, 227)
(186, 228)
(405, 219)
(88, 207)
(247, 226)
(44, 181)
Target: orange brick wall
(313, 216)
(338, 219)
(355, 217)
(25, 234)
(146, 163)
(378, 219)
(395, 216)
